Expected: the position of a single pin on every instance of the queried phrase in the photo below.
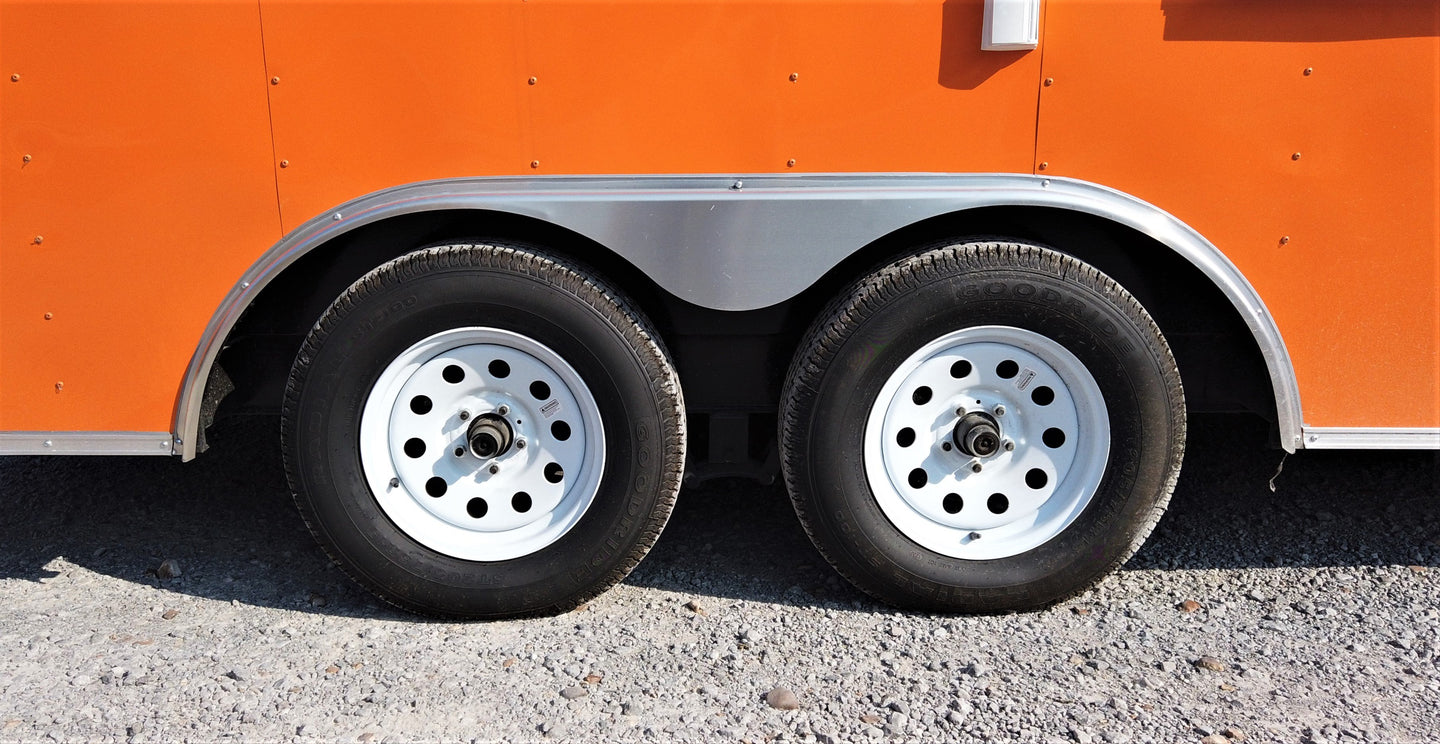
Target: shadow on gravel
(228, 520)
(740, 541)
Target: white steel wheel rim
(539, 490)
(954, 511)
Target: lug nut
(999, 410)
(976, 467)
(1009, 446)
(494, 469)
(503, 410)
(519, 444)
(464, 415)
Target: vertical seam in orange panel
(1435, 186)
(270, 117)
(1039, 92)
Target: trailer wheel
(982, 427)
(479, 431)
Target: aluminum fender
(743, 242)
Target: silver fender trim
(743, 242)
(1337, 437)
(86, 443)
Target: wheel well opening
(249, 374)
(1220, 362)
(733, 364)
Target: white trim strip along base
(1338, 437)
(86, 443)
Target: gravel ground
(1306, 615)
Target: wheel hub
(490, 436)
(977, 434)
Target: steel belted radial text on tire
(982, 426)
(484, 431)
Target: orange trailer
(957, 269)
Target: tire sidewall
(393, 315)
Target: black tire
(885, 319)
(513, 288)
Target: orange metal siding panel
(373, 95)
(153, 178)
(390, 94)
(151, 182)
(1200, 108)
